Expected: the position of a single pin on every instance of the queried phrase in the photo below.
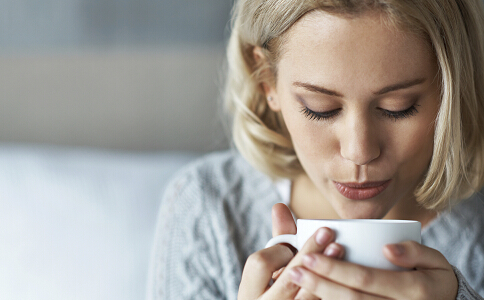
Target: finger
(356, 277)
(326, 289)
(282, 220)
(277, 273)
(406, 284)
(316, 244)
(259, 268)
(433, 267)
(412, 255)
(301, 294)
(306, 295)
(334, 250)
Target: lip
(361, 191)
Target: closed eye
(396, 115)
(326, 115)
(317, 116)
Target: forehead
(343, 47)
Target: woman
(344, 109)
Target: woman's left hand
(430, 276)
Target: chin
(358, 212)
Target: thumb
(282, 220)
(412, 255)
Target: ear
(268, 87)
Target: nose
(359, 141)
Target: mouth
(361, 191)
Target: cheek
(306, 135)
(417, 142)
(314, 143)
(414, 148)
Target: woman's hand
(430, 276)
(274, 263)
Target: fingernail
(309, 261)
(332, 251)
(323, 236)
(396, 249)
(295, 275)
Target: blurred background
(120, 74)
(102, 101)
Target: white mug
(363, 240)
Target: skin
(355, 58)
(366, 76)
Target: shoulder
(222, 190)
(462, 221)
(459, 235)
(214, 213)
(216, 175)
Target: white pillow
(78, 224)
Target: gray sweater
(217, 211)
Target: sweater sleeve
(465, 292)
(184, 262)
(213, 215)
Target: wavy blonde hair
(453, 27)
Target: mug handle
(283, 239)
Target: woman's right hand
(275, 263)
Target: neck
(411, 210)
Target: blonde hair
(453, 27)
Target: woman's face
(359, 99)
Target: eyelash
(395, 115)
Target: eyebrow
(400, 86)
(391, 88)
(317, 89)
